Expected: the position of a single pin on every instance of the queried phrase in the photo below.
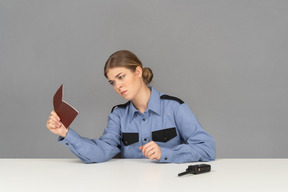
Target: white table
(141, 175)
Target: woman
(150, 125)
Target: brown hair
(129, 60)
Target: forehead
(113, 72)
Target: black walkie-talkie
(196, 169)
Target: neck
(140, 102)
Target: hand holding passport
(66, 112)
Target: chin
(127, 97)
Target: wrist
(64, 134)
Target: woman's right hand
(55, 126)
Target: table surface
(141, 175)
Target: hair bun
(147, 75)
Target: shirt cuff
(71, 137)
(166, 155)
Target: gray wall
(226, 59)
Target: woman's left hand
(151, 150)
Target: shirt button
(144, 119)
(67, 143)
(165, 158)
(145, 139)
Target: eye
(121, 76)
(112, 82)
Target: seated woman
(150, 125)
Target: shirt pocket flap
(130, 138)
(164, 135)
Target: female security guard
(150, 125)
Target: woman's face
(125, 82)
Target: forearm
(88, 150)
(189, 153)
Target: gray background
(226, 59)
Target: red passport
(66, 112)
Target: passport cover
(66, 112)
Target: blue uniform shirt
(168, 121)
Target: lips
(123, 92)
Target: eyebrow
(115, 77)
(118, 75)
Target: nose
(118, 85)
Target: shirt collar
(153, 104)
(154, 101)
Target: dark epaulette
(120, 106)
(172, 98)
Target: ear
(138, 71)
